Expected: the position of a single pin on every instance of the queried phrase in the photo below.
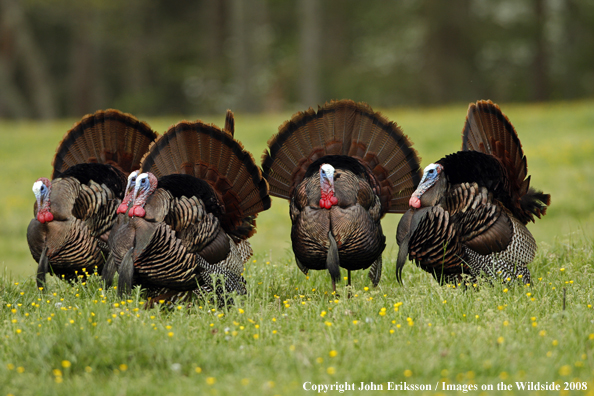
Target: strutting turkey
(342, 169)
(189, 212)
(74, 212)
(469, 213)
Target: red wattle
(137, 211)
(45, 217)
(414, 202)
(122, 208)
(328, 200)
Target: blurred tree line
(71, 57)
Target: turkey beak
(135, 194)
(131, 179)
(328, 180)
(131, 187)
(39, 202)
(37, 191)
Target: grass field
(289, 330)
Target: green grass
(95, 344)
(288, 330)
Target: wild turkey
(342, 169)
(469, 213)
(192, 209)
(75, 211)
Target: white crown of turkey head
(430, 177)
(146, 184)
(327, 186)
(42, 189)
(129, 192)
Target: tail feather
(211, 154)
(230, 123)
(329, 131)
(106, 137)
(488, 130)
(344, 128)
(535, 203)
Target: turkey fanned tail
(348, 129)
(487, 130)
(214, 156)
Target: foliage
(64, 57)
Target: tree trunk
(33, 64)
(540, 62)
(309, 52)
(12, 101)
(240, 61)
(448, 52)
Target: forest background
(67, 58)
